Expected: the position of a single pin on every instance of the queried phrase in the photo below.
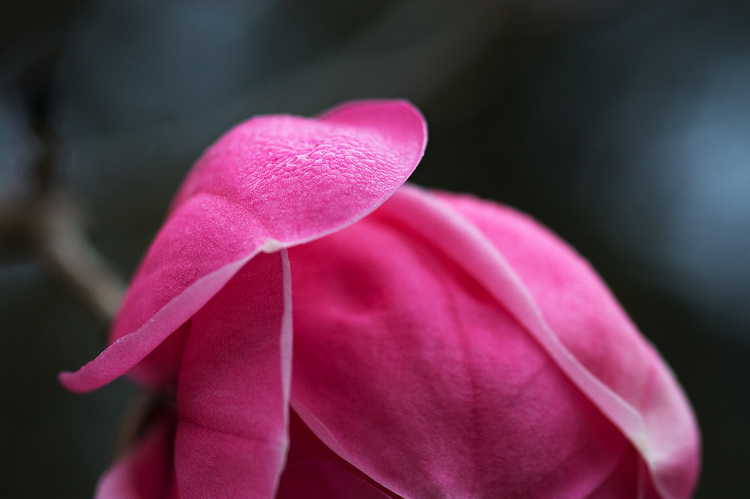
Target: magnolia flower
(325, 331)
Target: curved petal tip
(269, 183)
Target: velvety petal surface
(564, 305)
(410, 369)
(269, 183)
(233, 391)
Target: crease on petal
(665, 435)
(269, 183)
(314, 471)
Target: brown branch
(62, 244)
(42, 220)
(51, 227)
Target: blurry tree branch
(51, 226)
(43, 219)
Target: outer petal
(408, 368)
(454, 362)
(561, 301)
(233, 391)
(271, 182)
(147, 471)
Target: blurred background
(624, 125)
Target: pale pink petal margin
(127, 351)
(235, 380)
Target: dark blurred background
(622, 124)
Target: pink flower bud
(331, 332)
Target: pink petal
(233, 391)
(269, 183)
(147, 471)
(628, 479)
(406, 366)
(314, 471)
(569, 311)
